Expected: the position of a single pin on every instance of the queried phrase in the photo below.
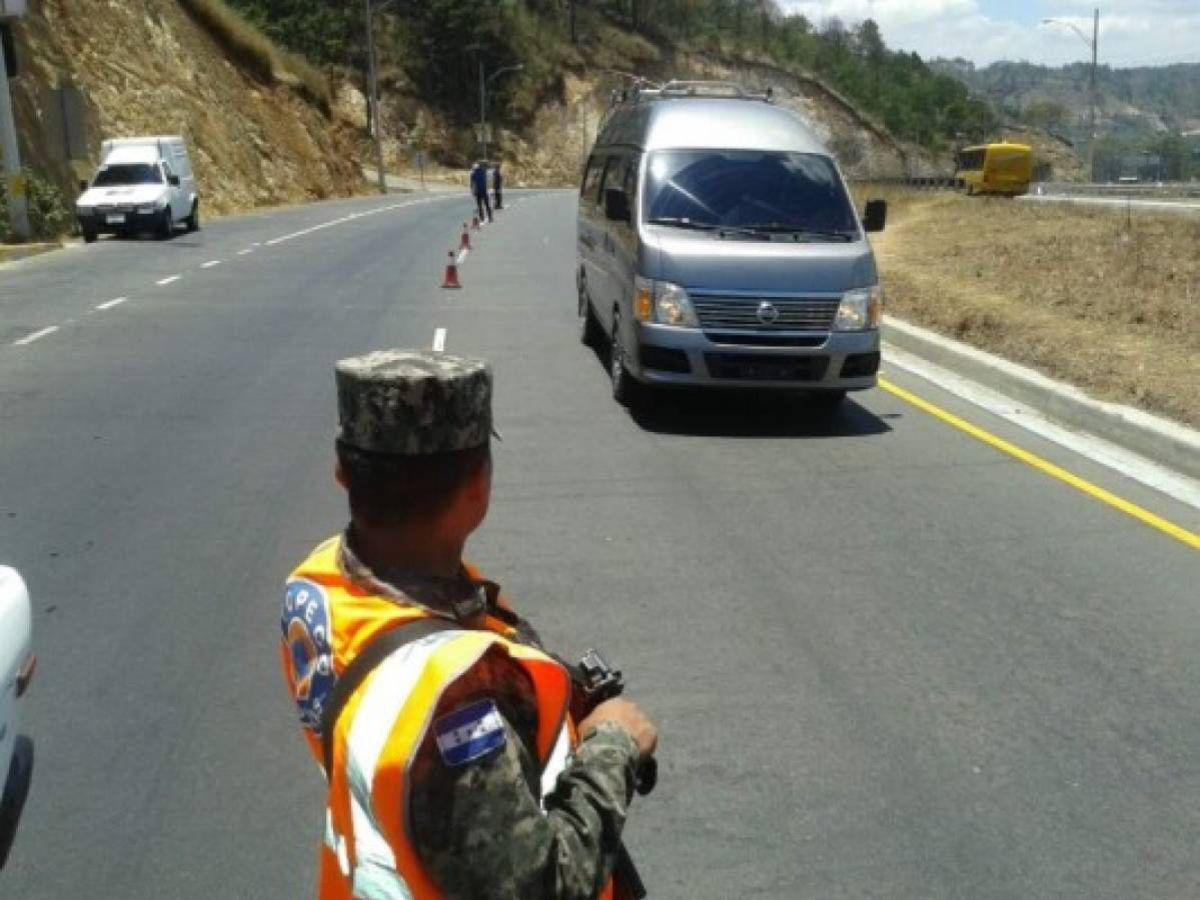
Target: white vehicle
(16, 669)
(143, 184)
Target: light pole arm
(1075, 28)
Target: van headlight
(860, 309)
(664, 303)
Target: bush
(49, 215)
(256, 52)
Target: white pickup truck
(16, 669)
(144, 184)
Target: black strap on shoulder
(363, 665)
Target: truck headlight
(860, 309)
(663, 302)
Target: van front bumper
(839, 360)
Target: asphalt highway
(887, 659)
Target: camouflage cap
(414, 402)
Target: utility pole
(483, 111)
(373, 98)
(18, 214)
(1092, 126)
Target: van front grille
(765, 314)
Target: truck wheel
(166, 227)
(193, 221)
(89, 233)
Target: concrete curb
(1161, 440)
(10, 253)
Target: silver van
(718, 246)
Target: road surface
(887, 660)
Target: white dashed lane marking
(111, 303)
(37, 335)
(248, 250)
(439, 340)
(211, 263)
(170, 279)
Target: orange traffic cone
(465, 243)
(451, 279)
(474, 223)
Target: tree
(1046, 114)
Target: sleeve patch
(306, 634)
(470, 733)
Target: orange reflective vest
(327, 621)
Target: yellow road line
(1144, 516)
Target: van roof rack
(728, 90)
(641, 89)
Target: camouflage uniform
(483, 830)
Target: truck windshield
(128, 173)
(761, 191)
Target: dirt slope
(147, 68)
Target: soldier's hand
(629, 716)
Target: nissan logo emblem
(767, 314)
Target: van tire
(193, 221)
(89, 234)
(625, 388)
(166, 226)
(590, 332)
(827, 402)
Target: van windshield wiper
(801, 233)
(676, 222)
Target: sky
(1132, 32)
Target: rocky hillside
(549, 146)
(148, 67)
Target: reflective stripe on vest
(368, 851)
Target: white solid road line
(111, 303)
(170, 279)
(1106, 453)
(211, 263)
(37, 335)
(439, 340)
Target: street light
(1093, 44)
(483, 83)
(370, 9)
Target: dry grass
(1105, 300)
(257, 53)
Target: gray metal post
(483, 111)
(1095, 58)
(373, 99)
(18, 212)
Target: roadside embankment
(1101, 300)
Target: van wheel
(827, 402)
(193, 221)
(166, 226)
(590, 332)
(89, 234)
(625, 388)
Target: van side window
(612, 175)
(591, 179)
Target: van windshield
(128, 173)
(755, 190)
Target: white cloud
(1132, 32)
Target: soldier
(454, 768)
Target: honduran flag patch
(470, 733)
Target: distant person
(479, 187)
(498, 186)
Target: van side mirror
(875, 215)
(616, 205)
(173, 180)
